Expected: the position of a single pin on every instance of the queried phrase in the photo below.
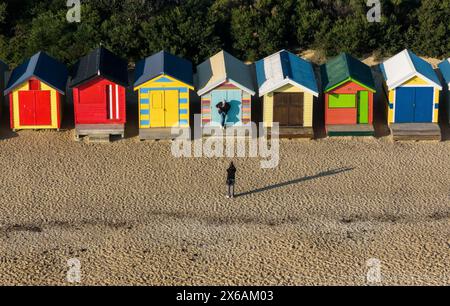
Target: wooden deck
(160, 134)
(99, 131)
(415, 131)
(292, 132)
(350, 130)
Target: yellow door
(157, 109)
(172, 110)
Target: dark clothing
(231, 180)
(224, 119)
(231, 177)
(231, 191)
(223, 108)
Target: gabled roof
(164, 63)
(406, 65)
(42, 67)
(283, 68)
(444, 67)
(221, 68)
(100, 62)
(344, 68)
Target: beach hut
(349, 90)
(99, 83)
(35, 90)
(288, 87)
(444, 67)
(223, 77)
(164, 83)
(3, 76)
(413, 90)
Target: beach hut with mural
(444, 68)
(36, 89)
(164, 83)
(3, 78)
(224, 77)
(413, 91)
(288, 88)
(349, 89)
(99, 82)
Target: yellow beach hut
(35, 91)
(288, 87)
(413, 89)
(164, 83)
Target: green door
(363, 107)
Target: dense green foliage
(196, 29)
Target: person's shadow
(297, 181)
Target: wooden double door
(288, 109)
(35, 108)
(164, 111)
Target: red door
(26, 108)
(35, 108)
(43, 108)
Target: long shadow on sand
(297, 181)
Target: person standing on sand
(223, 109)
(231, 180)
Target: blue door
(216, 97)
(404, 105)
(414, 104)
(235, 100)
(424, 105)
(234, 97)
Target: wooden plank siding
(163, 83)
(346, 116)
(207, 106)
(308, 105)
(55, 108)
(413, 82)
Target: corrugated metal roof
(163, 63)
(345, 67)
(406, 65)
(100, 62)
(444, 67)
(283, 68)
(42, 67)
(221, 68)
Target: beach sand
(133, 214)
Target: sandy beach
(132, 214)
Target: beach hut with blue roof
(288, 87)
(444, 67)
(35, 91)
(164, 83)
(413, 89)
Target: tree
(433, 28)
(181, 30)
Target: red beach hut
(99, 85)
